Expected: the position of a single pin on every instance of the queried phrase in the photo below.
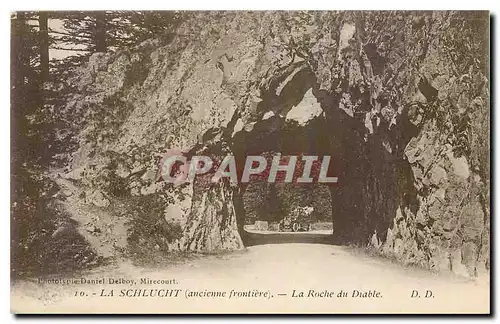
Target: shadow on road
(252, 238)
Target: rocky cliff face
(404, 100)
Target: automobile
(299, 220)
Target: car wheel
(295, 227)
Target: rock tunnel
(408, 136)
(297, 118)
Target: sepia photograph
(250, 162)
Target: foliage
(44, 239)
(148, 228)
(121, 29)
(39, 132)
(272, 202)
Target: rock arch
(371, 176)
(412, 128)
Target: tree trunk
(100, 31)
(19, 60)
(19, 65)
(44, 47)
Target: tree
(38, 87)
(25, 89)
(271, 209)
(44, 46)
(100, 31)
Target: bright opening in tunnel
(297, 119)
(304, 121)
(287, 212)
(295, 126)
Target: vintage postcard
(284, 162)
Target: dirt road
(295, 277)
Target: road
(254, 237)
(281, 270)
